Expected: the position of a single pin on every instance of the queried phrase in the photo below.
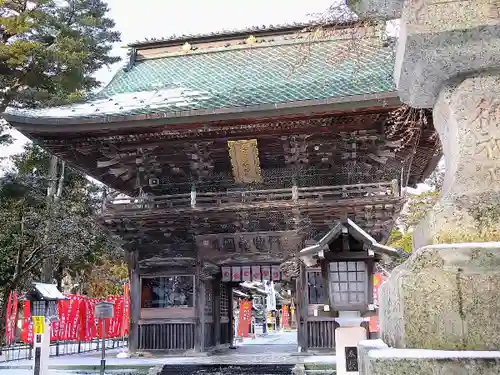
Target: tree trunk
(48, 266)
(58, 276)
(60, 184)
(3, 311)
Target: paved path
(274, 348)
(276, 343)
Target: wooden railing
(231, 197)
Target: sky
(160, 18)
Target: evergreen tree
(49, 50)
(75, 243)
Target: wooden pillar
(135, 299)
(230, 313)
(199, 337)
(216, 309)
(302, 303)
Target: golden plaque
(244, 157)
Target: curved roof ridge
(236, 33)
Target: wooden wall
(320, 325)
(166, 329)
(166, 336)
(321, 333)
(177, 329)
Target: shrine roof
(311, 253)
(255, 30)
(237, 77)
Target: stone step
(320, 366)
(330, 371)
(227, 369)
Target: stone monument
(439, 310)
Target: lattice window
(349, 283)
(224, 300)
(208, 298)
(316, 288)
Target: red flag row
(77, 322)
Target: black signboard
(351, 359)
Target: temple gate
(228, 152)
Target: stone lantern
(347, 256)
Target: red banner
(285, 316)
(126, 310)
(245, 318)
(374, 324)
(27, 332)
(11, 318)
(378, 280)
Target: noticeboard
(104, 310)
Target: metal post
(103, 352)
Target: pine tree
(49, 50)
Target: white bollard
(41, 345)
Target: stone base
(429, 362)
(445, 297)
(347, 337)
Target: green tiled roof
(239, 77)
